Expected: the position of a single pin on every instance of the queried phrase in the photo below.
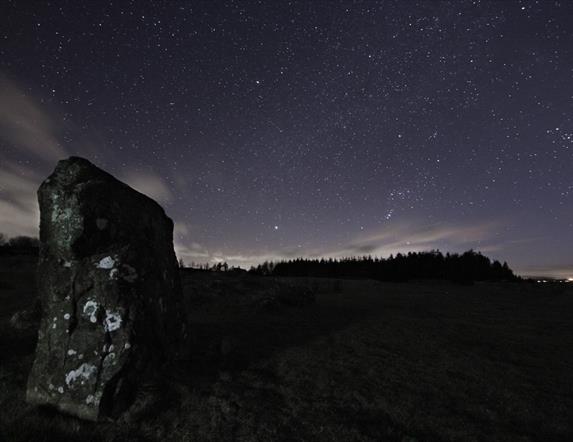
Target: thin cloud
(26, 126)
(409, 237)
(149, 184)
(180, 230)
(393, 239)
(192, 253)
(27, 130)
(562, 271)
(19, 213)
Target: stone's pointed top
(75, 170)
(78, 160)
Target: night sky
(275, 129)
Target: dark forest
(466, 267)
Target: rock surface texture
(109, 289)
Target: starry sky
(276, 129)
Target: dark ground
(367, 361)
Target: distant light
(276, 227)
(569, 279)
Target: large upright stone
(109, 289)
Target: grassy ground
(367, 361)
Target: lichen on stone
(90, 310)
(109, 359)
(82, 373)
(112, 321)
(106, 263)
(92, 257)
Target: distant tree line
(466, 267)
(19, 245)
(206, 267)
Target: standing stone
(109, 288)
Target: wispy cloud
(30, 131)
(19, 213)
(149, 184)
(558, 271)
(411, 237)
(193, 253)
(26, 126)
(398, 238)
(27, 130)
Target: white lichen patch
(112, 321)
(113, 274)
(82, 374)
(109, 359)
(51, 386)
(67, 316)
(61, 390)
(71, 352)
(101, 223)
(80, 356)
(90, 399)
(127, 345)
(90, 310)
(67, 264)
(106, 263)
(54, 326)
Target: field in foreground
(367, 361)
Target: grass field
(367, 361)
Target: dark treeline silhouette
(467, 267)
(19, 245)
(206, 267)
